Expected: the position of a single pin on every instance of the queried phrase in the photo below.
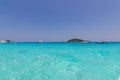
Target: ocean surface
(59, 61)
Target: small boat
(5, 41)
(39, 41)
(104, 42)
(2, 41)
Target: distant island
(78, 40)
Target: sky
(60, 20)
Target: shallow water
(59, 61)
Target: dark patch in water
(22, 51)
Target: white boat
(40, 41)
(5, 41)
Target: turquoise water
(59, 61)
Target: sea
(59, 61)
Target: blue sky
(59, 20)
